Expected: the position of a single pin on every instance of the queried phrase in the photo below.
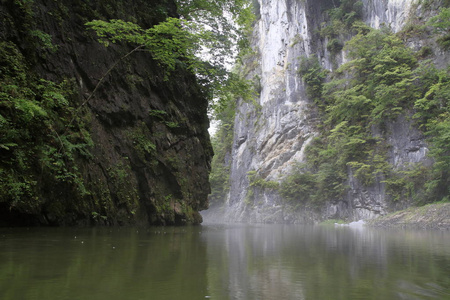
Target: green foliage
(168, 42)
(141, 138)
(229, 22)
(330, 169)
(438, 186)
(376, 85)
(339, 23)
(312, 186)
(334, 46)
(348, 12)
(121, 178)
(45, 40)
(97, 217)
(255, 180)
(408, 184)
(222, 142)
(382, 80)
(434, 87)
(37, 149)
(373, 166)
(165, 207)
(313, 75)
(161, 115)
(182, 42)
(299, 187)
(433, 115)
(257, 184)
(441, 24)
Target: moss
(125, 186)
(142, 141)
(34, 132)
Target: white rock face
(283, 39)
(391, 13)
(272, 138)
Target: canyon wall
(271, 135)
(122, 142)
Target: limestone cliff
(141, 153)
(270, 137)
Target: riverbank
(431, 216)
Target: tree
(199, 40)
(441, 24)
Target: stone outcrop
(150, 158)
(431, 216)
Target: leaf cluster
(36, 147)
(314, 76)
(202, 40)
(340, 23)
(441, 24)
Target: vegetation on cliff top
(202, 40)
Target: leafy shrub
(313, 75)
(441, 24)
(38, 144)
(382, 80)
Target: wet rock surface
(150, 159)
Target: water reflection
(224, 262)
(102, 264)
(294, 262)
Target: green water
(224, 262)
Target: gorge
(337, 130)
(104, 111)
(328, 176)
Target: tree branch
(99, 83)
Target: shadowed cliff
(136, 151)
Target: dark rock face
(150, 158)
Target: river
(224, 262)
